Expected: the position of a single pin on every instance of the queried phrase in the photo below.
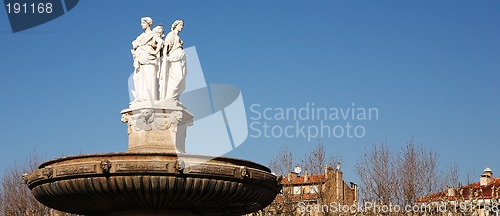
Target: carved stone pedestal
(157, 126)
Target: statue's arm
(165, 47)
(169, 42)
(175, 56)
(159, 45)
(136, 43)
(178, 56)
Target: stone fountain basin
(107, 184)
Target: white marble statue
(161, 33)
(146, 52)
(173, 69)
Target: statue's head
(159, 30)
(146, 22)
(178, 25)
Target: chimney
(328, 172)
(355, 188)
(487, 177)
(306, 176)
(339, 181)
(451, 192)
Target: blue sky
(431, 68)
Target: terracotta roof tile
(466, 190)
(300, 180)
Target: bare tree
(281, 164)
(451, 177)
(315, 160)
(1, 200)
(470, 176)
(417, 168)
(397, 178)
(15, 197)
(377, 176)
(316, 163)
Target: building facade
(316, 194)
(479, 198)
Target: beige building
(313, 194)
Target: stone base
(157, 126)
(153, 184)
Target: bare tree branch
(397, 178)
(15, 196)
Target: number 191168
(32, 8)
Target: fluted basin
(159, 183)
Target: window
(296, 189)
(313, 189)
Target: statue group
(159, 64)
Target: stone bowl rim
(242, 162)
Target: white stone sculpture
(146, 52)
(157, 122)
(174, 69)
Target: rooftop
(470, 191)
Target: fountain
(154, 176)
